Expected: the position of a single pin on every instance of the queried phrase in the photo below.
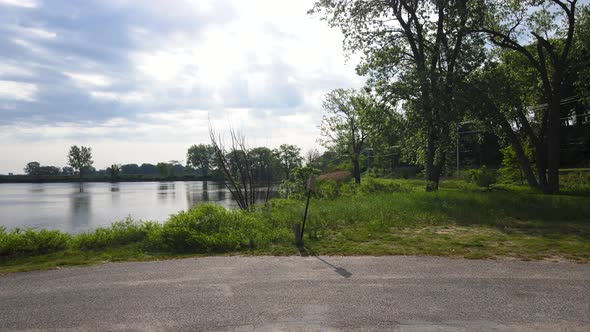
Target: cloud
(89, 79)
(17, 91)
(131, 97)
(104, 71)
(40, 33)
(20, 3)
(8, 70)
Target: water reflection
(37, 188)
(80, 208)
(205, 192)
(221, 194)
(197, 193)
(166, 190)
(115, 194)
(192, 190)
(77, 207)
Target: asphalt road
(301, 293)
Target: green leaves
(80, 158)
(201, 157)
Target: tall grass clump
(575, 182)
(118, 233)
(373, 185)
(212, 228)
(20, 242)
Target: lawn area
(381, 217)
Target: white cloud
(20, 3)
(262, 70)
(40, 33)
(127, 98)
(7, 69)
(89, 79)
(17, 90)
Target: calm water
(71, 208)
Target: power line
(561, 102)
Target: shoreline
(18, 179)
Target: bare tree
(237, 166)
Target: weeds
(378, 217)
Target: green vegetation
(483, 177)
(378, 217)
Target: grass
(381, 217)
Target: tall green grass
(378, 217)
(204, 229)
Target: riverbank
(381, 217)
(99, 178)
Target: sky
(140, 81)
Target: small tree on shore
(201, 157)
(345, 127)
(242, 168)
(32, 168)
(114, 171)
(80, 158)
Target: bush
(483, 177)
(119, 233)
(575, 182)
(338, 176)
(373, 185)
(31, 242)
(511, 171)
(296, 186)
(209, 228)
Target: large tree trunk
(525, 164)
(356, 169)
(541, 164)
(431, 177)
(434, 180)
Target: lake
(75, 208)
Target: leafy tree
(49, 170)
(416, 52)
(581, 54)
(483, 177)
(114, 171)
(296, 186)
(130, 169)
(68, 171)
(329, 161)
(289, 157)
(511, 169)
(312, 156)
(89, 170)
(346, 127)
(148, 169)
(201, 157)
(549, 27)
(80, 158)
(164, 169)
(500, 93)
(32, 168)
(265, 165)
